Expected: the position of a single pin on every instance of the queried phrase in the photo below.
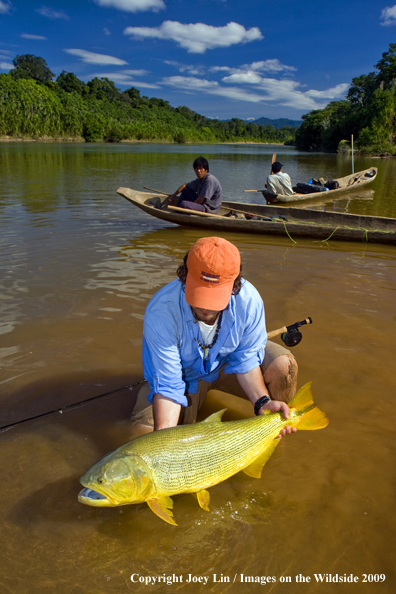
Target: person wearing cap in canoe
(279, 182)
(206, 330)
(203, 193)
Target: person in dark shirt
(203, 193)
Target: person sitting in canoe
(203, 193)
(279, 182)
(206, 330)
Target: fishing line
(290, 335)
(71, 406)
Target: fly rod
(290, 335)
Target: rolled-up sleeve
(161, 362)
(250, 350)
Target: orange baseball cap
(213, 264)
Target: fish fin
(162, 507)
(312, 419)
(215, 417)
(203, 499)
(255, 468)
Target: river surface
(78, 266)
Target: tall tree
(387, 67)
(69, 82)
(362, 88)
(29, 66)
(103, 88)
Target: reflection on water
(78, 267)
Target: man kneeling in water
(206, 330)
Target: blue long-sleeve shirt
(172, 359)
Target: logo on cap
(210, 278)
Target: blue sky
(221, 58)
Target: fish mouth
(93, 498)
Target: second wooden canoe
(355, 181)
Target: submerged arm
(166, 412)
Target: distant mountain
(280, 123)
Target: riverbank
(79, 139)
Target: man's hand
(279, 406)
(171, 199)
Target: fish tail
(309, 416)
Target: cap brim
(212, 297)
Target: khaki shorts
(226, 382)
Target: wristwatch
(260, 403)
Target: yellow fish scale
(191, 458)
(194, 457)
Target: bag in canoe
(310, 188)
(332, 184)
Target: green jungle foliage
(33, 105)
(368, 112)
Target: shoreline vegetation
(34, 107)
(124, 141)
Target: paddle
(198, 212)
(156, 191)
(188, 211)
(272, 162)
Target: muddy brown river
(78, 266)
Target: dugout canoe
(349, 183)
(269, 220)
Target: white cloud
(244, 77)
(269, 66)
(250, 70)
(196, 69)
(197, 38)
(388, 16)
(6, 66)
(52, 14)
(191, 83)
(5, 7)
(136, 72)
(144, 85)
(286, 91)
(268, 90)
(92, 58)
(338, 91)
(123, 78)
(106, 31)
(220, 69)
(28, 36)
(133, 5)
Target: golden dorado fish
(192, 458)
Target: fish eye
(101, 480)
